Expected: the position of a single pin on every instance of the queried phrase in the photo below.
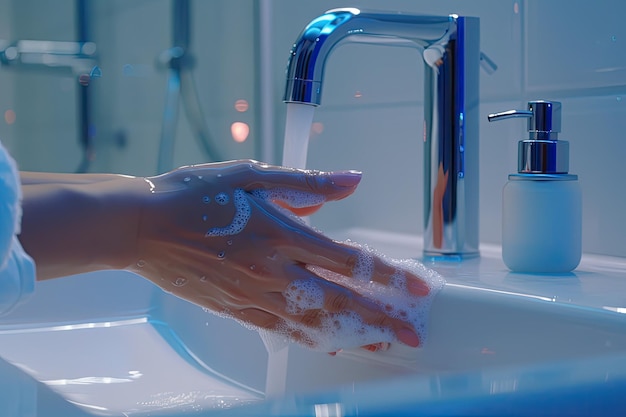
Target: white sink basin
(115, 345)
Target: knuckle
(311, 318)
(312, 182)
(251, 165)
(381, 320)
(259, 318)
(250, 162)
(352, 260)
(338, 302)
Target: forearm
(75, 223)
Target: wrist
(121, 203)
(75, 223)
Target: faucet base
(429, 256)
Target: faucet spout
(451, 54)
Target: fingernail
(408, 337)
(377, 347)
(417, 287)
(346, 178)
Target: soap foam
(294, 198)
(345, 329)
(240, 220)
(303, 295)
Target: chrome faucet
(451, 52)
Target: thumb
(335, 185)
(299, 211)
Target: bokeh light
(239, 131)
(9, 117)
(242, 105)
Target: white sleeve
(17, 278)
(17, 270)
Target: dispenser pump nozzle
(541, 153)
(544, 118)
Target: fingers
(251, 175)
(337, 299)
(350, 260)
(342, 313)
(315, 313)
(298, 189)
(354, 261)
(332, 185)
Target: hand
(211, 234)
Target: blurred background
(117, 96)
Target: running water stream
(297, 129)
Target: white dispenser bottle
(542, 203)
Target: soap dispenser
(542, 203)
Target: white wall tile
(595, 128)
(574, 44)
(353, 78)
(386, 144)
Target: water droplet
(204, 217)
(179, 282)
(199, 177)
(203, 278)
(252, 267)
(141, 263)
(229, 242)
(187, 179)
(206, 199)
(222, 199)
(221, 255)
(273, 256)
